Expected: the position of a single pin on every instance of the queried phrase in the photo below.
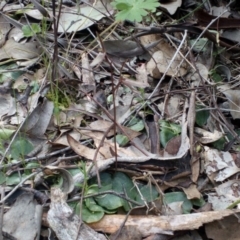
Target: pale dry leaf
(161, 59)
(220, 11)
(4, 28)
(174, 104)
(219, 162)
(37, 122)
(77, 71)
(78, 18)
(34, 13)
(206, 136)
(19, 51)
(87, 74)
(196, 77)
(226, 194)
(103, 126)
(98, 60)
(172, 6)
(23, 218)
(6, 103)
(226, 173)
(142, 76)
(233, 97)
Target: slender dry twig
(2, 192)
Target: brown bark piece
(148, 225)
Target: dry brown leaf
(82, 150)
(192, 192)
(142, 76)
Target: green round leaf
(148, 192)
(89, 216)
(20, 147)
(109, 201)
(122, 183)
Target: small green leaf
(201, 116)
(219, 144)
(134, 10)
(31, 31)
(122, 140)
(91, 212)
(74, 171)
(200, 46)
(198, 202)
(139, 126)
(5, 133)
(123, 6)
(168, 131)
(133, 121)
